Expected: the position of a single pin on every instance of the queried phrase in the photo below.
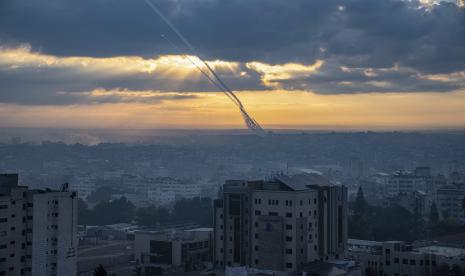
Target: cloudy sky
(320, 64)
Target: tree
(198, 210)
(463, 205)
(433, 214)
(116, 211)
(84, 214)
(443, 269)
(361, 204)
(152, 215)
(101, 194)
(418, 222)
(456, 270)
(100, 271)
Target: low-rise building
(173, 251)
(396, 258)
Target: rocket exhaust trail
(199, 68)
(215, 80)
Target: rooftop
(445, 251)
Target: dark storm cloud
(67, 82)
(362, 33)
(365, 34)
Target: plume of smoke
(214, 78)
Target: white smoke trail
(216, 80)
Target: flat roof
(442, 251)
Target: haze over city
(232, 137)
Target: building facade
(38, 230)
(405, 182)
(396, 258)
(174, 251)
(451, 203)
(280, 224)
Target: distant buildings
(280, 224)
(172, 252)
(165, 190)
(403, 182)
(451, 203)
(38, 230)
(393, 258)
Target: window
(256, 236)
(396, 260)
(288, 226)
(3, 219)
(288, 238)
(4, 206)
(301, 203)
(404, 261)
(288, 215)
(257, 212)
(274, 214)
(256, 261)
(256, 247)
(288, 265)
(288, 251)
(412, 262)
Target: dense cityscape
(232, 138)
(352, 203)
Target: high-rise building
(280, 224)
(38, 230)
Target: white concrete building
(405, 182)
(281, 224)
(38, 230)
(165, 190)
(450, 203)
(395, 258)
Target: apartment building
(405, 182)
(396, 258)
(280, 224)
(451, 203)
(37, 229)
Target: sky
(321, 64)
